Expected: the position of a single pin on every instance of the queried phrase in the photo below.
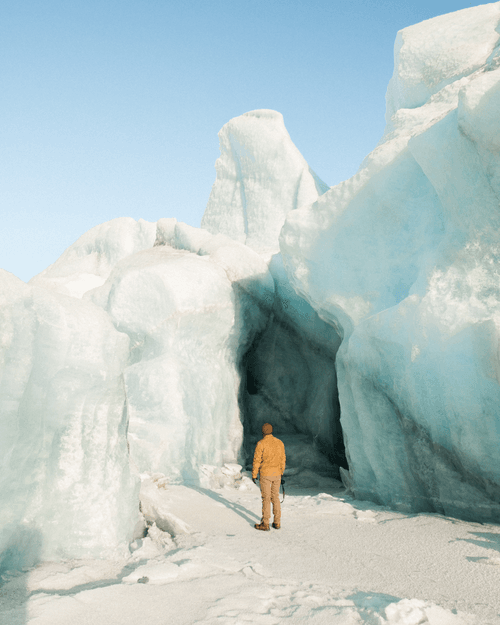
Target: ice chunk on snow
(155, 509)
(261, 176)
(153, 573)
(231, 469)
(415, 612)
(228, 476)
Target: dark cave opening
(288, 379)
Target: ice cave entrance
(288, 379)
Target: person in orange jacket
(269, 459)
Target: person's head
(267, 428)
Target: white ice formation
(261, 176)
(188, 305)
(162, 348)
(404, 259)
(88, 262)
(65, 482)
(137, 374)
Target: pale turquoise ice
(404, 259)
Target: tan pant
(270, 491)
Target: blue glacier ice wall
(404, 259)
(120, 358)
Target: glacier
(361, 320)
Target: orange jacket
(269, 457)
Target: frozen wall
(127, 355)
(150, 347)
(188, 305)
(403, 258)
(65, 483)
(99, 383)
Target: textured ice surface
(88, 262)
(65, 483)
(431, 55)
(142, 369)
(404, 259)
(189, 305)
(261, 176)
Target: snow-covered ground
(335, 560)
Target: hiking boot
(261, 526)
(276, 526)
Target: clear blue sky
(111, 108)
